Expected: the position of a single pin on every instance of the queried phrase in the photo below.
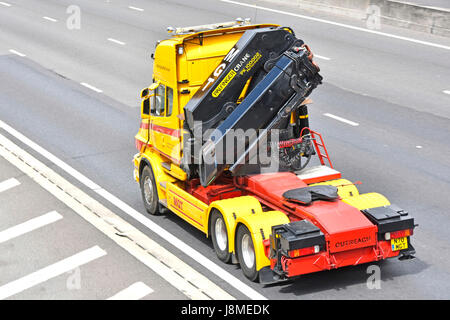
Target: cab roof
(181, 35)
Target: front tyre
(219, 235)
(149, 192)
(246, 253)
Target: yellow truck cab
(247, 217)
(181, 65)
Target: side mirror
(146, 107)
(146, 91)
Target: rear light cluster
(294, 240)
(304, 252)
(398, 234)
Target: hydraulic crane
(225, 99)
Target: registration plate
(399, 244)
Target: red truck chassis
(322, 235)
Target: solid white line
(87, 85)
(136, 291)
(321, 57)
(116, 41)
(5, 4)
(49, 19)
(341, 119)
(71, 171)
(29, 225)
(8, 184)
(446, 91)
(176, 242)
(135, 8)
(17, 52)
(50, 271)
(194, 254)
(431, 44)
(160, 260)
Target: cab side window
(159, 101)
(169, 100)
(162, 101)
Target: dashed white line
(321, 57)
(50, 271)
(419, 147)
(87, 85)
(29, 225)
(136, 291)
(116, 41)
(446, 91)
(49, 19)
(135, 8)
(161, 261)
(431, 44)
(184, 247)
(5, 4)
(71, 171)
(341, 119)
(8, 184)
(17, 53)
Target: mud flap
(267, 276)
(407, 254)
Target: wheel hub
(248, 252)
(148, 190)
(221, 234)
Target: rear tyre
(149, 192)
(219, 235)
(246, 253)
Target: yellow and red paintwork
(183, 65)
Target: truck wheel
(246, 253)
(219, 235)
(149, 192)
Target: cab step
(166, 165)
(163, 184)
(163, 202)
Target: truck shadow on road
(336, 280)
(360, 276)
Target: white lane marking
(135, 8)
(341, 119)
(419, 147)
(87, 85)
(29, 225)
(136, 291)
(446, 91)
(116, 41)
(74, 173)
(49, 19)
(389, 35)
(164, 263)
(50, 271)
(194, 254)
(8, 184)
(5, 4)
(20, 54)
(321, 57)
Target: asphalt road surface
(431, 3)
(384, 111)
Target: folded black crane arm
(226, 82)
(285, 76)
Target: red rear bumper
(325, 260)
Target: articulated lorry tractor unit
(225, 144)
